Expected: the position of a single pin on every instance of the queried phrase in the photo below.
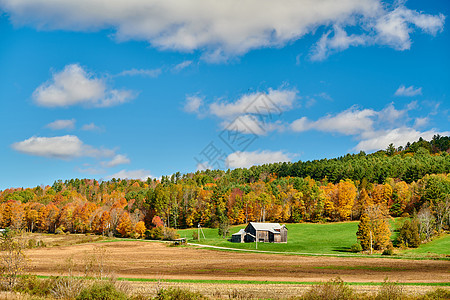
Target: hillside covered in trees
(401, 180)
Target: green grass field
(311, 238)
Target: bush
(32, 243)
(388, 252)
(170, 234)
(32, 285)
(356, 248)
(101, 290)
(66, 287)
(390, 290)
(335, 289)
(178, 294)
(437, 294)
(59, 230)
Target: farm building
(264, 232)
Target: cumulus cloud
(398, 136)
(193, 104)
(221, 29)
(408, 91)
(372, 129)
(62, 124)
(62, 147)
(420, 122)
(247, 159)
(141, 72)
(119, 159)
(349, 122)
(338, 42)
(255, 113)
(275, 101)
(74, 86)
(131, 174)
(393, 28)
(90, 127)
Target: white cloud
(398, 136)
(119, 159)
(408, 91)
(62, 124)
(273, 102)
(420, 122)
(62, 147)
(246, 124)
(74, 86)
(221, 29)
(339, 42)
(141, 72)
(372, 129)
(131, 174)
(255, 113)
(90, 127)
(391, 115)
(350, 122)
(394, 27)
(182, 65)
(193, 104)
(247, 159)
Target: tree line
(325, 190)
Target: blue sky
(130, 89)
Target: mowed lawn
(313, 238)
(332, 238)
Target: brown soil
(136, 259)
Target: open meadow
(149, 265)
(320, 239)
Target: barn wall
(283, 233)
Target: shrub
(178, 294)
(335, 289)
(437, 294)
(101, 290)
(59, 230)
(32, 243)
(356, 248)
(66, 287)
(32, 285)
(390, 290)
(170, 234)
(195, 235)
(388, 252)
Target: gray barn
(264, 232)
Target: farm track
(134, 259)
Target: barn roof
(240, 232)
(266, 226)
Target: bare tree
(426, 222)
(12, 257)
(443, 213)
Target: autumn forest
(401, 181)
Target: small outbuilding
(261, 232)
(238, 237)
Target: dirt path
(157, 260)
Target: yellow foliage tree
(125, 227)
(373, 229)
(140, 228)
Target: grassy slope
(333, 238)
(330, 238)
(440, 245)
